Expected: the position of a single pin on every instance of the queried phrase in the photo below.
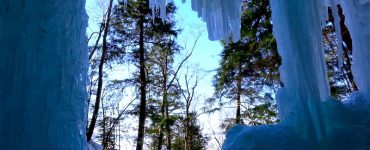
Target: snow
(94, 146)
(309, 117)
(43, 67)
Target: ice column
(43, 62)
(297, 30)
(358, 20)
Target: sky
(205, 57)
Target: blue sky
(205, 56)
(206, 53)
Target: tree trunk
(100, 76)
(187, 143)
(238, 94)
(142, 111)
(168, 127)
(163, 107)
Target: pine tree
(197, 140)
(136, 31)
(248, 73)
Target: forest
(143, 93)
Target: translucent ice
(303, 72)
(310, 119)
(43, 61)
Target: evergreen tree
(197, 141)
(248, 73)
(143, 36)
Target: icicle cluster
(158, 6)
(355, 11)
(223, 17)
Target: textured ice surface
(310, 119)
(266, 137)
(43, 63)
(297, 28)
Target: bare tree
(188, 95)
(100, 75)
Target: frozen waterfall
(43, 68)
(43, 62)
(310, 118)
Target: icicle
(222, 17)
(334, 5)
(303, 70)
(339, 34)
(158, 6)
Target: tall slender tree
(139, 33)
(248, 72)
(100, 73)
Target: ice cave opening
(43, 74)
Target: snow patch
(94, 146)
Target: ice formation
(159, 6)
(43, 68)
(223, 17)
(358, 19)
(310, 118)
(43, 62)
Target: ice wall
(43, 62)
